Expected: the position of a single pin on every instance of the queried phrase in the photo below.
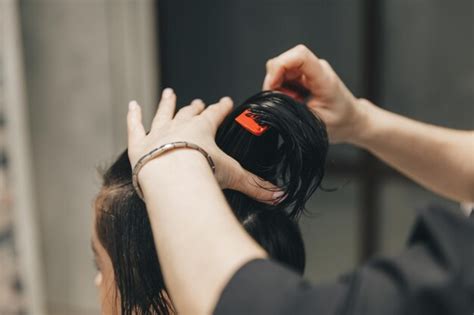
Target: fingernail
(168, 92)
(277, 196)
(132, 105)
(226, 99)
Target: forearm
(200, 243)
(438, 158)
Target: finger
(166, 108)
(193, 109)
(327, 68)
(292, 64)
(257, 188)
(217, 112)
(135, 129)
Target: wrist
(365, 123)
(172, 166)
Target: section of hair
(124, 230)
(278, 235)
(291, 153)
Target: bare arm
(200, 242)
(438, 158)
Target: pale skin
(200, 242)
(104, 279)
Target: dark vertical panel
(370, 181)
(213, 48)
(210, 48)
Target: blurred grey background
(83, 60)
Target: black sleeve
(434, 275)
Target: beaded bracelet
(159, 151)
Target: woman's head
(130, 278)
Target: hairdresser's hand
(329, 98)
(195, 124)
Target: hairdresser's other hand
(196, 124)
(329, 98)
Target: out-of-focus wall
(428, 75)
(21, 289)
(85, 59)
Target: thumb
(257, 188)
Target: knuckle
(184, 110)
(332, 79)
(269, 64)
(327, 66)
(302, 49)
(206, 120)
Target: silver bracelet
(159, 151)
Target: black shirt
(433, 276)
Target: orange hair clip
(247, 120)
